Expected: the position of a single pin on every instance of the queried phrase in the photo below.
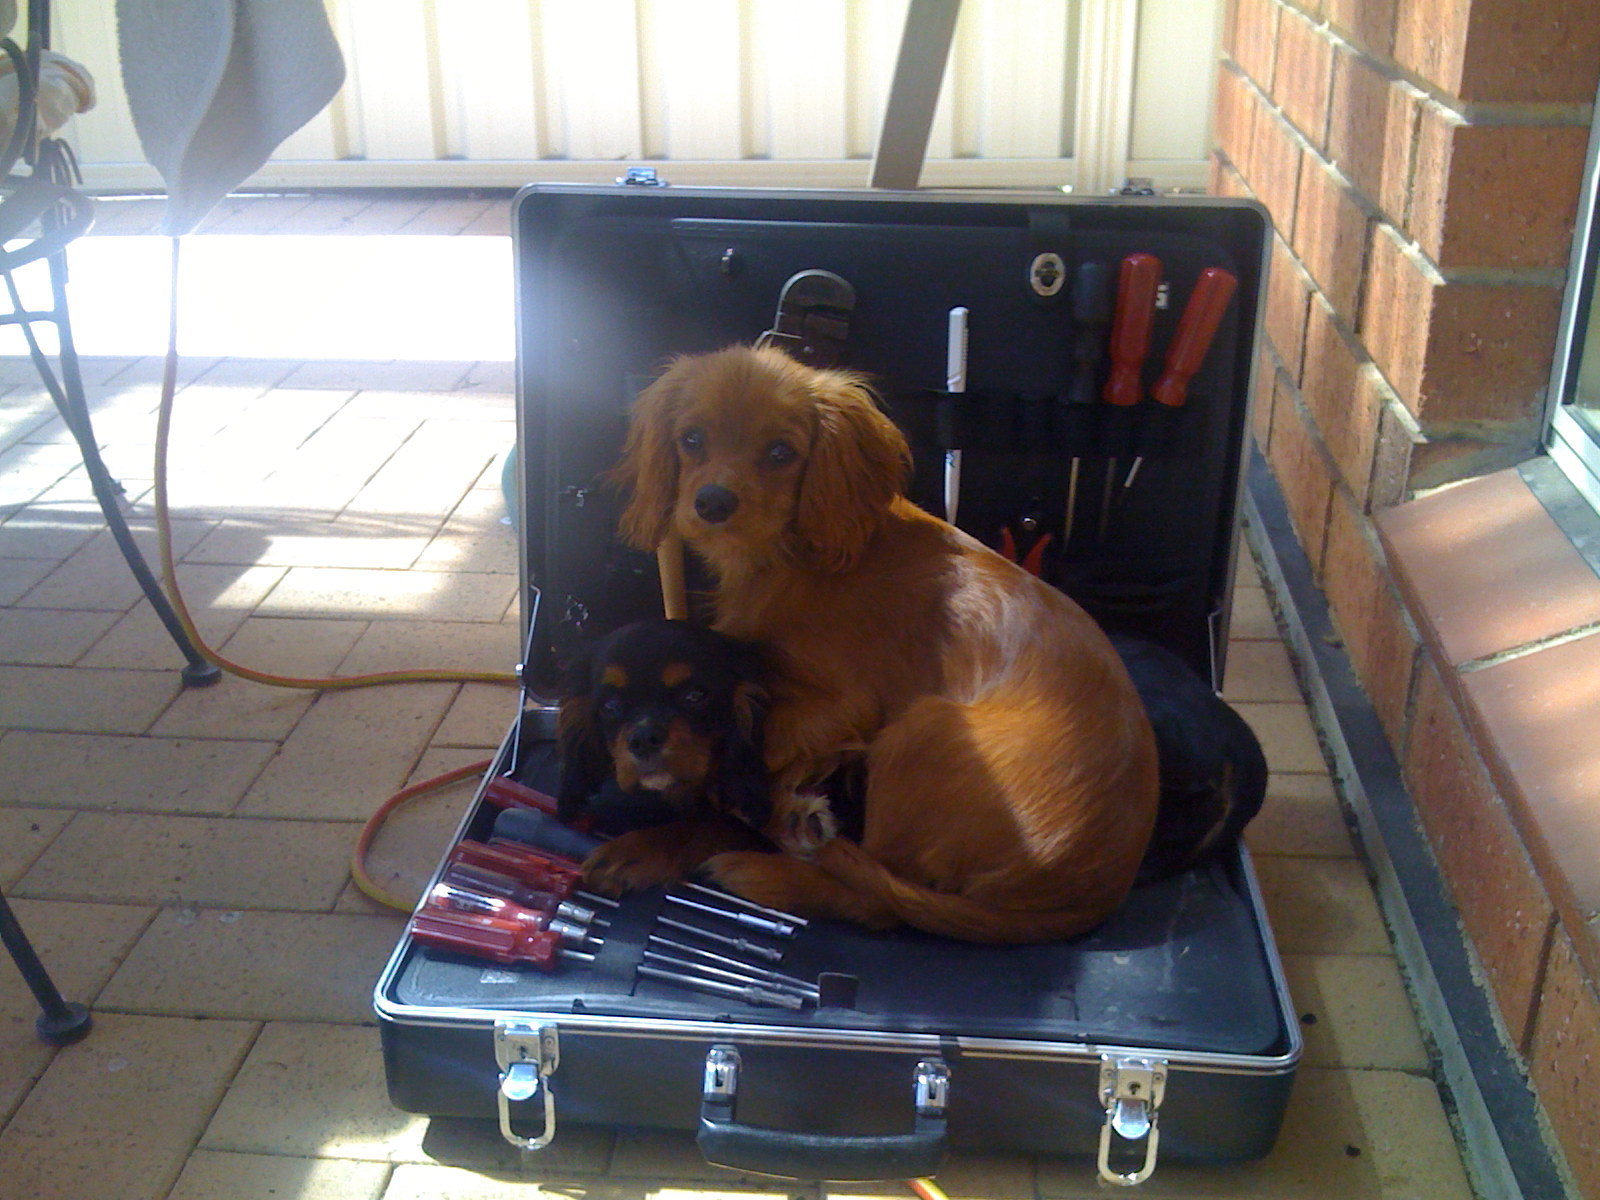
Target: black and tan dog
(674, 710)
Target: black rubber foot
(70, 1025)
(198, 675)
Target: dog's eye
(692, 440)
(693, 697)
(612, 708)
(781, 454)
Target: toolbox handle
(854, 1158)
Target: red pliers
(1031, 562)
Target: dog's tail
(950, 914)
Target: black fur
(720, 704)
(1213, 772)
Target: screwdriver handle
(522, 863)
(487, 937)
(1130, 331)
(1196, 328)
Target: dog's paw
(630, 862)
(803, 824)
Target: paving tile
(1321, 906)
(18, 576)
(1357, 1135)
(437, 645)
(137, 857)
(302, 649)
(105, 772)
(256, 965)
(116, 1114)
(1287, 736)
(219, 599)
(336, 592)
(76, 700)
(362, 374)
(481, 716)
(408, 845)
(49, 637)
(350, 751)
(1260, 670)
(1252, 616)
(79, 945)
(1354, 1012)
(24, 834)
(1301, 815)
(314, 1090)
(96, 577)
(474, 401)
(214, 1175)
(302, 541)
(475, 537)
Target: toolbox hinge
(1130, 1092)
(528, 1055)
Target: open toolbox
(829, 1051)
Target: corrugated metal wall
(750, 92)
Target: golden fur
(1011, 772)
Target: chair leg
(68, 394)
(60, 1022)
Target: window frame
(1573, 445)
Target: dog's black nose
(646, 739)
(715, 503)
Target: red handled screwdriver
(454, 898)
(1196, 328)
(492, 883)
(527, 866)
(499, 941)
(1130, 342)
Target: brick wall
(1421, 160)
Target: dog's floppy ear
(585, 758)
(859, 463)
(648, 472)
(585, 761)
(746, 789)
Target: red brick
(1233, 117)
(1465, 358)
(1369, 612)
(1330, 235)
(1226, 180)
(1255, 38)
(1532, 51)
(1367, 23)
(1566, 1060)
(1265, 394)
(1395, 449)
(1274, 171)
(1488, 358)
(1304, 475)
(1502, 902)
(1430, 39)
(1403, 108)
(1288, 289)
(1345, 413)
(1475, 202)
(1301, 78)
(1358, 121)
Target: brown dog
(1011, 771)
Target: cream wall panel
(500, 92)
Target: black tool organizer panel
(612, 285)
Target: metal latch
(1131, 1091)
(813, 319)
(528, 1055)
(641, 177)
